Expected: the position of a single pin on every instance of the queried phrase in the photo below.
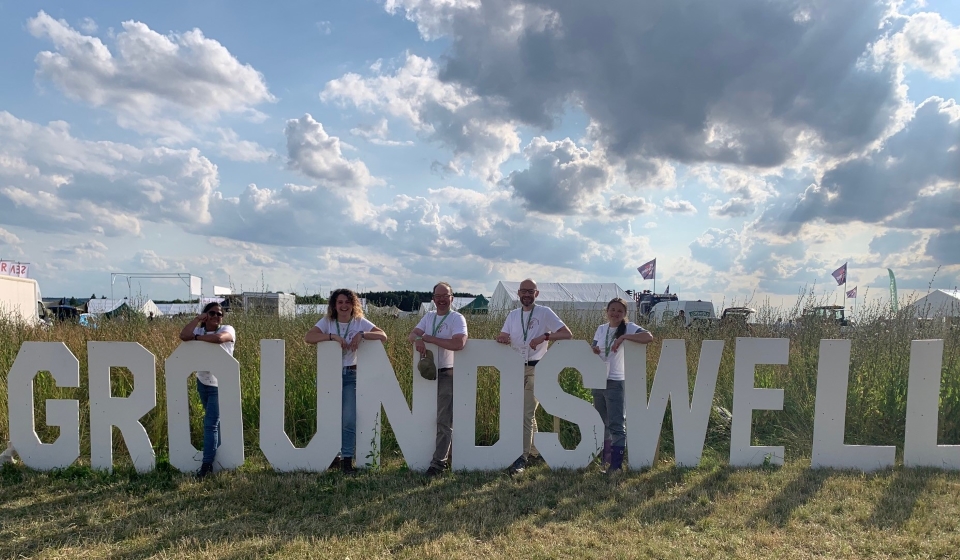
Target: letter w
(645, 418)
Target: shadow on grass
(800, 491)
(899, 499)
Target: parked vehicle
(20, 300)
(692, 313)
(830, 313)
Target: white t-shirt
(540, 319)
(453, 325)
(206, 377)
(346, 331)
(604, 338)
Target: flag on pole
(667, 291)
(894, 301)
(852, 294)
(840, 274)
(648, 270)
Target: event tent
(111, 306)
(938, 303)
(562, 296)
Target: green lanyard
(436, 326)
(526, 328)
(344, 335)
(608, 340)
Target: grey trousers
(444, 419)
(530, 404)
(610, 403)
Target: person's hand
(420, 346)
(355, 342)
(199, 318)
(503, 338)
(343, 343)
(596, 350)
(616, 344)
(537, 342)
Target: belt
(532, 363)
(444, 369)
(350, 368)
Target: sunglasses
(215, 314)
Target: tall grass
(876, 401)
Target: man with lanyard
(529, 329)
(448, 330)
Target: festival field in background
(876, 400)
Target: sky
(751, 147)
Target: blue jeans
(610, 403)
(210, 399)
(348, 414)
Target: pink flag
(840, 274)
(852, 294)
(649, 270)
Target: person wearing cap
(346, 325)
(529, 330)
(447, 329)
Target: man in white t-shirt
(448, 330)
(529, 330)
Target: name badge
(525, 353)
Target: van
(693, 311)
(20, 300)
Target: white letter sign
(746, 398)
(920, 447)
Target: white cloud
(149, 75)
(232, 147)
(926, 42)
(81, 186)
(324, 27)
(378, 134)
(318, 155)
(8, 238)
(87, 25)
(677, 206)
(469, 125)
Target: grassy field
(711, 511)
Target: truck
(694, 312)
(20, 301)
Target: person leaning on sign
(448, 330)
(529, 329)
(611, 402)
(346, 325)
(208, 327)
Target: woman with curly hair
(345, 324)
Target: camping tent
(478, 305)
(562, 296)
(938, 303)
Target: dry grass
(709, 512)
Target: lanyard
(436, 327)
(609, 341)
(344, 335)
(526, 328)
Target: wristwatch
(546, 336)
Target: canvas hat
(427, 367)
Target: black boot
(346, 466)
(205, 469)
(616, 459)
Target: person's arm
(186, 333)
(316, 335)
(218, 337)
(373, 334)
(456, 343)
(562, 334)
(643, 337)
(416, 337)
(504, 336)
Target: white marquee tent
(101, 306)
(938, 303)
(562, 296)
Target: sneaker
(517, 466)
(346, 466)
(434, 471)
(335, 465)
(205, 469)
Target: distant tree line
(405, 300)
